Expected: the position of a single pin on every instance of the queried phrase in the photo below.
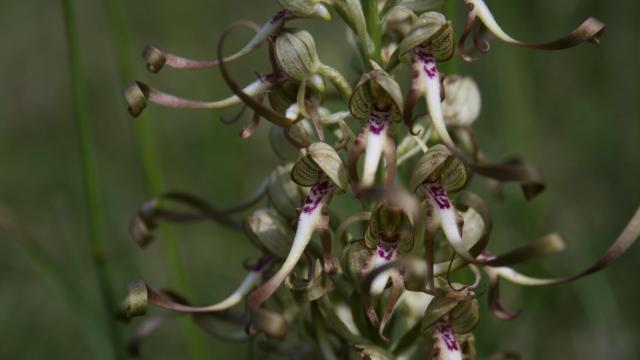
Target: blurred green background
(575, 114)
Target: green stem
(449, 9)
(89, 183)
(370, 9)
(152, 171)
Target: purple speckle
(379, 119)
(445, 332)
(317, 193)
(428, 63)
(387, 254)
(439, 195)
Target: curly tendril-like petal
(156, 58)
(157, 298)
(530, 178)
(138, 94)
(445, 213)
(248, 130)
(259, 108)
(624, 241)
(154, 210)
(590, 30)
(495, 304)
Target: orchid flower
(429, 40)
(321, 169)
(389, 232)
(437, 173)
(377, 97)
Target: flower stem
(89, 183)
(152, 171)
(370, 9)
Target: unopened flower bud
(461, 105)
(285, 195)
(269, 231)
(399, 20)
(296, 54)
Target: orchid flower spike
(323, 171)
(378, 98)
(343, 311)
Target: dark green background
(574, 113)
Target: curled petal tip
(154, 57)
(137, 300)
(136, 94)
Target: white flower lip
(376, 140)
(429, 79)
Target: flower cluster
(389, 281)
